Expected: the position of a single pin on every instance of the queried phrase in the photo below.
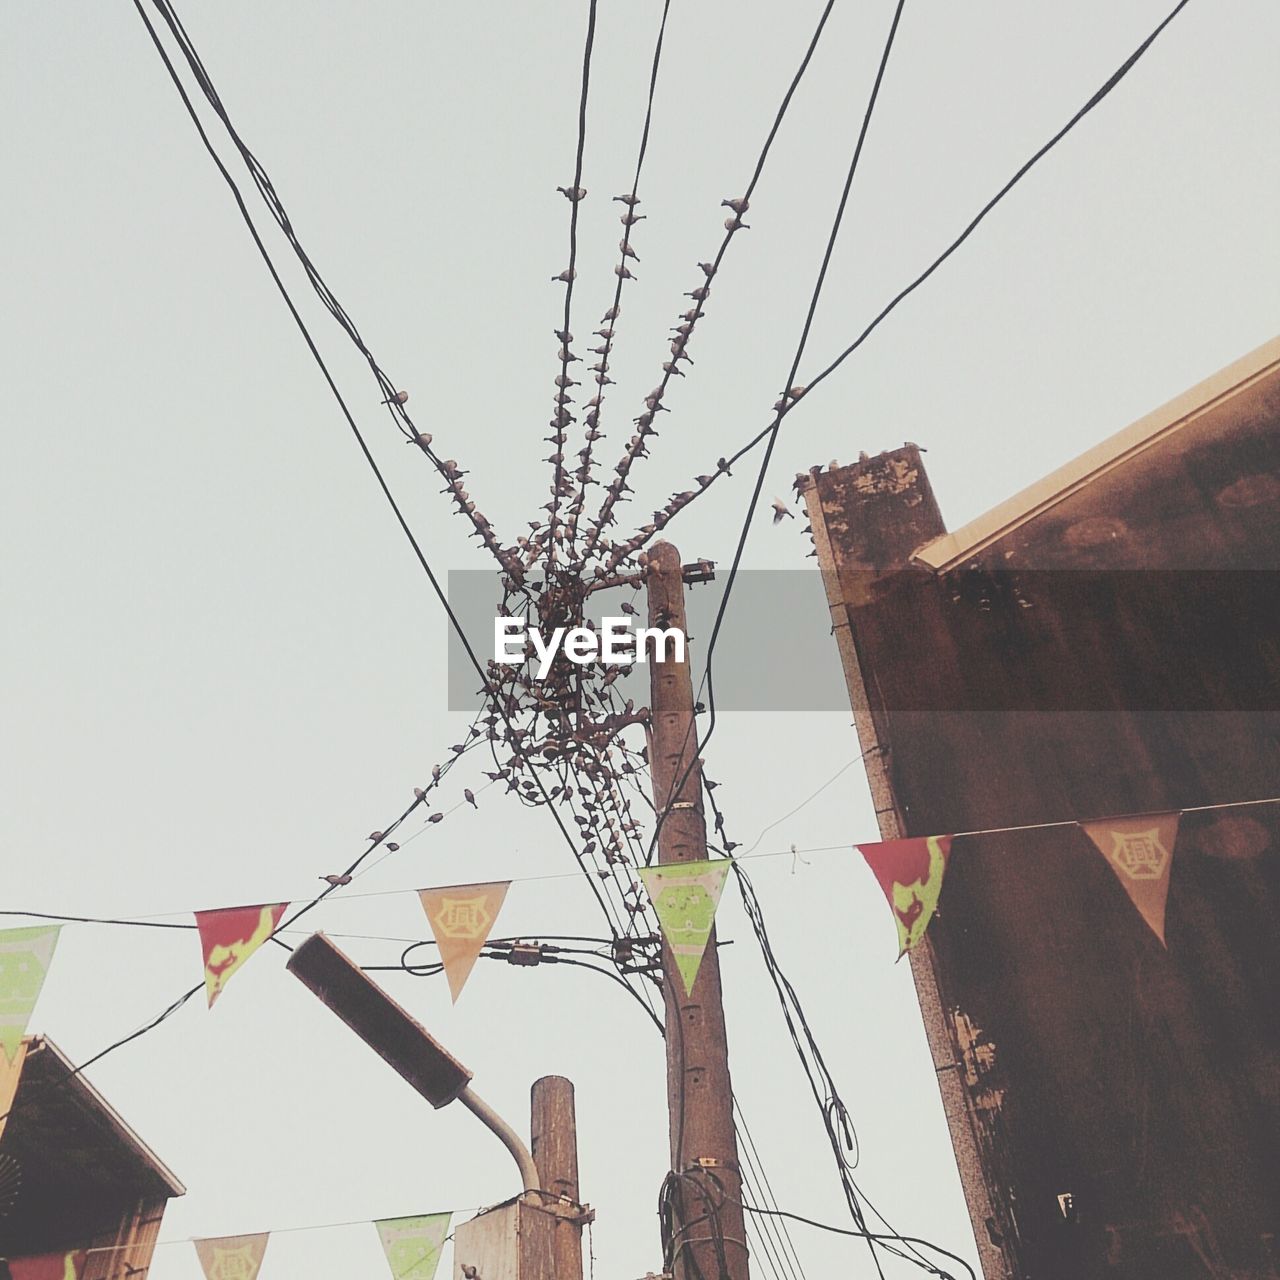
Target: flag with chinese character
(48, 1266)
(461, 918)
(232, 1257)
(413, 1245)
(1140, 852)
(229, 937)
(685, 896)
(24, 960)
(910, 875)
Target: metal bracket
(683, 804)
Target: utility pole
(555, 1153)
(704, 1148)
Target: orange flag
(910, 874)
(229, 937)
(1140, 851)
(461, 916)
(49, 1266)
(232, 1257)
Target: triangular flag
(685, 896)
(1140, 851)
(910, 874)
(413, 1245)
(24, 960)
(230, 936)
(461, 916)
(48, 1266)
(232, 1257)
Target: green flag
(413, 1245)
(24, 961)
(685, 896)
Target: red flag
(48, 1266)
(910, 874)
(230, 936)
(1140, 851)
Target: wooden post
(554, 1139)
(699, 1093)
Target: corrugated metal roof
(1179, 415)
(78, 1128)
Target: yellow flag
(461, 917)
(1140, 852)
(232, 1257)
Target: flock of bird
(561, 739)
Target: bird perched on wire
(781, 510)
(400, 397)
(566, 276)
(469, 796)
(336, 881)
(572, 194)
(629, 201)
(739, 204)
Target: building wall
(1078, 1057)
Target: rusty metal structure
(81, 1178)
(1103, 644)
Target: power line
(263, 183)
(787, 405)
(575, 198)
(872, 1237)
(837, 220)
(628, 221)
(275, 205)
(1112, 81)
(695, 313)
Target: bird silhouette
(781, 510)
(400, 397)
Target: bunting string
(164, 919)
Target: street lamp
(400, 1040)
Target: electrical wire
(873, 1238)
(628, 223)
(166, 10)
(731, 228)
(833, 235)
(770, 432)
(901, 296)
(574, 201)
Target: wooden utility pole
(554, 1136)
(699, 1095)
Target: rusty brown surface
(1115, 653)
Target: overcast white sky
(222, 667)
